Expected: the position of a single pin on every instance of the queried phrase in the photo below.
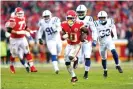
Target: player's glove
(40, 41)
(94, 43)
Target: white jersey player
(87, 44)
(51, 26)
(106, 33)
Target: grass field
(45, 78)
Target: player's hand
(94, 43)
(65, 36)
(41, 41)
(13, 32)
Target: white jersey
(51, 29)
(105, 31)
(88, 22)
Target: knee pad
(67, 63)
(70, 58)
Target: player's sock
(115, 56)
(70, 69)
(104, 64)
(29, 58)
(23, 62)
(12, 60)
(54, 62)
(87, 64)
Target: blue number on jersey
(50, 31)
(104, 33)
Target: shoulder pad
(96, 23)
(56, 19)
(90, 19)
(111, 20)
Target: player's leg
(25, 47)
(13, 51)
(68, 64)
(22, 60)
(103, 53)
(115, 56)
(87, 49)
(52, 47)
(74, 54)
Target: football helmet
(81, 11)
(19, 12)
(47, 15)
(102, 16)
(71, 17)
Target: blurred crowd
(120, 11)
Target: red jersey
(74, 32)
(17, 24)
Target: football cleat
(27, 69)
(86, 75)
(33, 69)
(105, 74)
(119, 69)
(74, 79)
(57, 71)
(12, 69)
(75, 64)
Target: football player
(51, 26)
(30, 39)
(72, 31)
(106, 33)
(18, 43)
(91, 39)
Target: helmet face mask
(102, 20)
(70, 20)
(81, 11)
(102, 16)
(47, 15)
(19, 12)
(71, 17)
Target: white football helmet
(102, 16)
(47, 15)
(81, 11)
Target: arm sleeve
(114, 32)
(58, 24)
(40, 33)
(94, 31)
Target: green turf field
(45, 78)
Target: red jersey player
(18, 43)
(72, 31)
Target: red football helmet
(19, 12)
(71, 17)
